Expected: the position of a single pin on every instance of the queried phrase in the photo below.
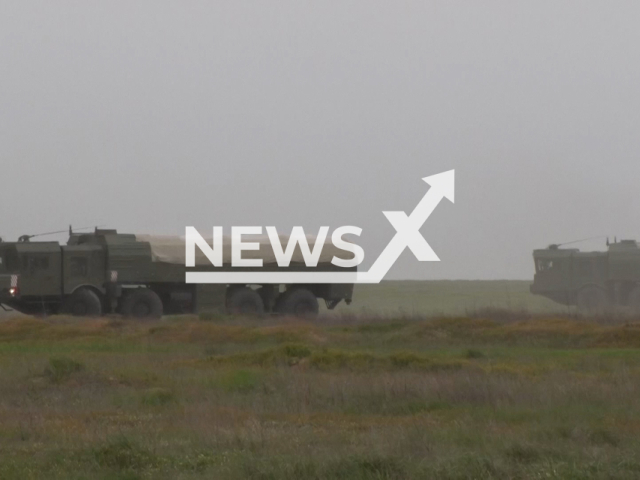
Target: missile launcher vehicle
(106, 272)
(595, 282)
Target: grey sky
(150, 116)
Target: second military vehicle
(592, 281)
(142, 276)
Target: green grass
(449, 297)
(484, 396)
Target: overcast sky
(149, 116)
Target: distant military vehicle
(140, 276)
(593, 281)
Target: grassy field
(448, 297)
(492, 395)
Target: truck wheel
(142, 303)
(298, 302)
(83, 303)
(593, 300)
(244, 301)
(634, 300)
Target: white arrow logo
(408, 228)
(407, 236)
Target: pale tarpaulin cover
(171, 249)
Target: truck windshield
(546, 264)
(8, 260)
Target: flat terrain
(490, 395)
(448, 297)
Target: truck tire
(142, 303)
(298, 302)
(244, 301)
(634, 300)
(593, 300)
(83, 303)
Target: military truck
(106, 272)
(593, 281)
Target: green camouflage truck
(593, 281)
(106, 272)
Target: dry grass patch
(388, 398)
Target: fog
(152, 116)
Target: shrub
(296, 351)
(158, 397)
(523, 453)
(241, 381)
(122, 454)
(471, 354)
(61, 368)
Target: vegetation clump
(158, 397)
(124, 454)
(61, 368)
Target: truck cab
(35, 277)
(553, 274)
(30, 276)
(8, 261)
(594, 281)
